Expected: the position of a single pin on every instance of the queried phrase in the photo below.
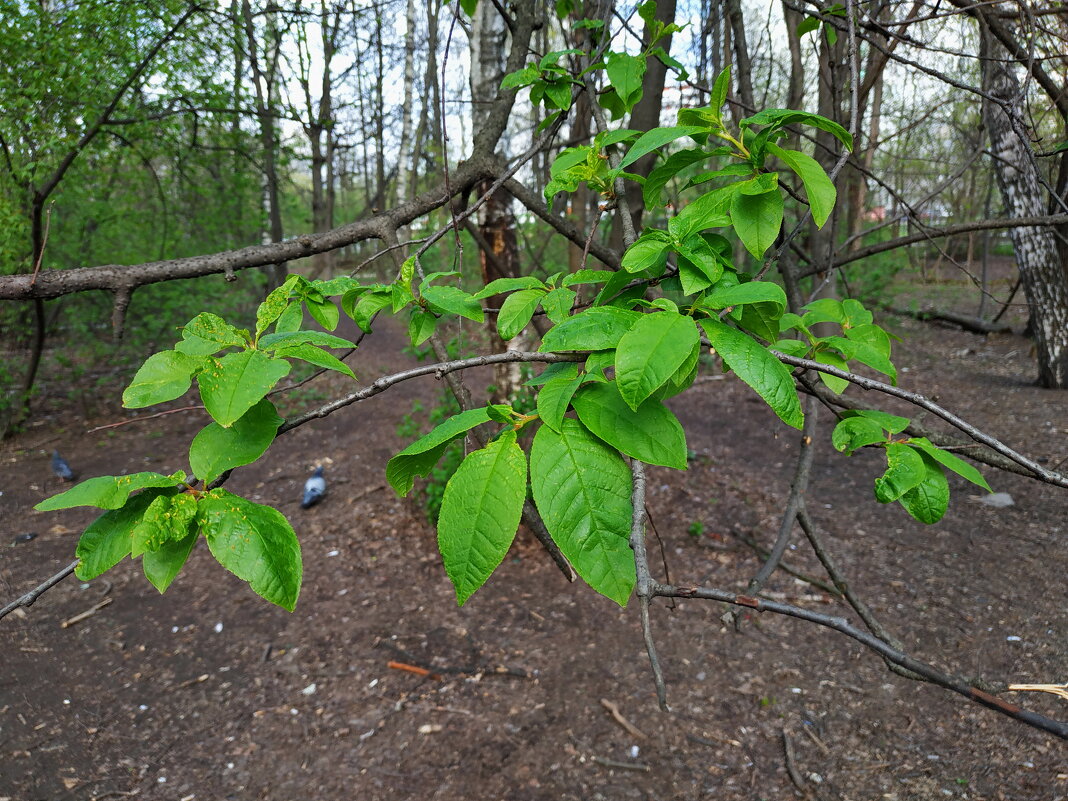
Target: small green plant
(696, 529)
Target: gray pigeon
(61, 468)
(314, 489)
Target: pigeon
(314, 489)
(61, 468)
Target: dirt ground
(210, 693)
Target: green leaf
(856, 316)
(367, 305)
(169, 518)
(654, 139)
(904, 470)
(516, 312)
(951, 462)
(213, 329)
(336, 286)
(480, 513)
(163, 565)
(216, 449)
(824, 310)
(807, 25)
(710, 210)
(163, 377)
(570, 369)
(555, 397)
(890, 422)
(419, 458)
(275, 303)
(719, 91)
(289, 339)
(452, 300)
(558, 304)
(856, 432)
(834, 383)
(651, 352)
(588, 277)
(107, 540)
(255, 543)
(232, 385)
(749, 292)
(107, 492)
(647, 252)
(777, 118)
(818, 186)
(502, 285)
(291, 319)
(792, 347)
(659, 177)
(928, 500)
(469, 7)
(324, 313)
(316, 356)
(421, 326)
(758, 368)
(757, 220)
(761, 319)
(596, 328)
(651, 433)
(625, 73)
(582, 490)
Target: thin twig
(843, 626)
(29, 598)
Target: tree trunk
(496, 222)
(1042, 271)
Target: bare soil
(210, 693)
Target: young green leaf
(818, 186)
(107, 540)
(582, 490)
(216, 449)
(255, 543)
(654, 139)
(661, 175)
(555, 397)
(419, 458)
(625, 73)
(163, 377)
(890, 422)
(904, 470)
(317, 356)
(107, 492)
(753, 364)
(856, 432)
(651, 433)
(169, 518)
(162, 566)
(232, 385)
(516, 312)
(323, 312)
(650, 353)
(596, 328)
(291, 319)
(719, 91)
(363, 307)
(834, 383)
(502, 285)
(289, 339)
(648, 252)
(212, 329)
(452, 300)
(928, 500)
(757, 220)
(951, 462)
(421, 326)
(749, 292)
(558, 303)
(480, 513)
